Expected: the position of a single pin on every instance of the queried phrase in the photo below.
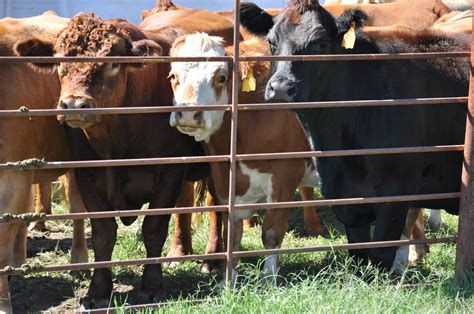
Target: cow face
(199, 83)
(91, 85)
(303, 28)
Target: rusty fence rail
(27, 269)
(464, 253)
(224, 208)
(25, 112)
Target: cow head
(199, 83)
(303, 28)
(93, 84)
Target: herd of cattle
(304, 27)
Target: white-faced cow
(305, 27)
(199, 83)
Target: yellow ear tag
(349, 38)
(249, 83)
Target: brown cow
(91, 85)
(197, 84)
(21, 139)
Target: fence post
(465, 240)
(233, 143)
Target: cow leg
(8, 232)
(182, 241)
(214, 244)
(390, 222)
(42, 204)
(417, 251)
(155, 231)
(312, 224)
(19, 247)
(15, 192)
(79, 253)
(275, 225)
(104, 235)
(238, 233)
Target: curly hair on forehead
(89, 35)
(302, 6)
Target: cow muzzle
(281, 90)
(77, 120)
(187, 121)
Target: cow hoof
(39, 226)
(88, 304)
(211, 266)
(206, 268)
(148, 297)
(171, 265)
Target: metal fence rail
(27, 113)
(465, 245)
(218, 256)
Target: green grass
(310, 282)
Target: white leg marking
(400, 262)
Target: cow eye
(173, 78)
(272, 48)
(221, 79)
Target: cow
(420, 14)
(97, 85)
(23, 139)
(455, 22)
(305, 27)
(197, 83)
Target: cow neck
(219, 144)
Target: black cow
(305, 27)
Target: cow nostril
(62, 104)
(198, 116)
(84, 106)
(179, 114)
(291, 91)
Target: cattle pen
(465, 245)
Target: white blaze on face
(199, 83)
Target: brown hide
(38, 137)
(185, 21)
(419, 14)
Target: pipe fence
(465, 244)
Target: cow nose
(188, 118)
(75, 103)
(281, 90)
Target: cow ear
(144, 48)
(349, 18)
(36, 48)
(255, 19)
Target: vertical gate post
(233, 143)
(465, 240)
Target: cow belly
(260, 190)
